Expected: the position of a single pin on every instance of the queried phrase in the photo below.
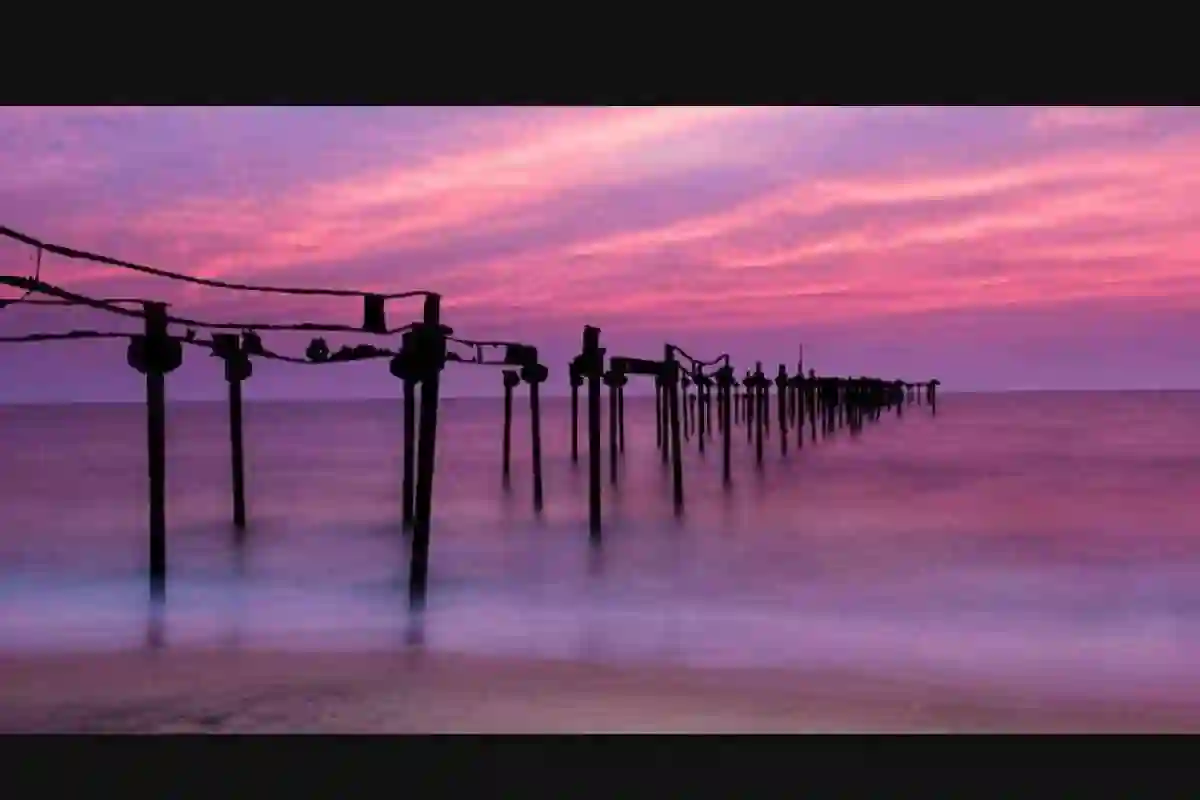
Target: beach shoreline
(414, 691)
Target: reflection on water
(1042, 537)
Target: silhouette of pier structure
(156, 352)
(827, 404)
(427, 345)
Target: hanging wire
(65, 297)
(37, 276)
(67, 252)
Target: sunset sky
(992, 248)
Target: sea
(1036, 538)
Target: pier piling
(228, 348)
(430, 361)
(154, 354)
(673, 380)
(512, 379)
(535, 375)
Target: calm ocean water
(1021, 537)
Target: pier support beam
(155, 354)
(430, 361)
(591, 367)
(535, 375)
(673, 379)
(512, 380)
(228, 348)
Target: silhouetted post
(512, 379)
(621, 381)
(724, 385)
(781, 385)
(237, 460)
(592, 367)
(699, 380)
(155, 354)
(664, 414)
(760, 391)
(238, 368)
(671, 375)
(430, 361)
(799, 394)
(576, 382)
(535, 375)
(749, 400)
(931, 393)
(768, 410)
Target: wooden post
(765, 399)
(593, 368)
(724, 388)
(781, 384)
(621, 413)
(536, 374)
(156, 446)
(670, 371)
(431, 356)
(699, 415)
(237, 369)
(511, 380)
(760, 396)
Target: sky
(993, 248)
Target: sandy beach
(417, 692)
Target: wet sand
(418, 692)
